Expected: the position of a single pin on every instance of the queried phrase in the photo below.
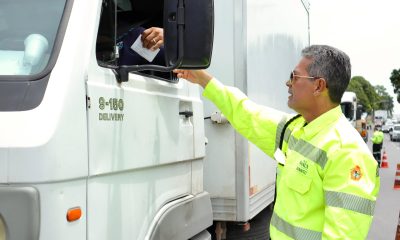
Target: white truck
(380, 116)
(353, 112)
(93, 150)
(349, 107)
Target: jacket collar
(322, 121)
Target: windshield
(27, 33)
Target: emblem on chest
(302, 167)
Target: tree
(365, 92)
(395, 79)
(385, 100)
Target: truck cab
(349, 107)
(90, 149)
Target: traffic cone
(384, 163)
(397, 178)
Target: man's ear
(319, 86)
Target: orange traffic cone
(397, 178)
(384, 163)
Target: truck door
(141, 135)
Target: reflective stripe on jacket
(328, 186)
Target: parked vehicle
(387, 126)
(381, 116)
(349, 107)
(90, 150)
(352, 111)
(395, 134)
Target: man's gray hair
(331, 64)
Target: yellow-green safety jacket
(329, 182)
(377, 137)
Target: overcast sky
(368, 31)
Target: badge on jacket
(356, 173)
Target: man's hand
(153, 38)
(200, 77)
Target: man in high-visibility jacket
(327, 179)
(377, 141)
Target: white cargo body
(257, 44)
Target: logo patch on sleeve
(356, 173)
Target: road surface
(387, 207)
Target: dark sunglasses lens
(291, 76)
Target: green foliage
(385, 101)
(395, 80)
(370, 97)
(365, 92)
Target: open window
(121, 23)
(188, 36)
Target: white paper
(147, 54)
(280, 157)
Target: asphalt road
(387, 209)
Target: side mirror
(197, 17)
(188, 37)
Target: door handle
(187, 114)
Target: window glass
(121, 25)
(27, 34)
(348, 110)
(105, 46)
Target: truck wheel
(259, 228)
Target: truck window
(28, 31)
(120, 20)
(348, 110)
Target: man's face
(301, 88)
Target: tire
(259, 228)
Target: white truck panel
(55, 200)
(257, 44)
(3, 165)
(52, 132)
(125, 204)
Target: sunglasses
(293, 77)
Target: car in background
(395, 133)
(378, 121)
(387, 126)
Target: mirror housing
(197, 17)
(188, 37)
